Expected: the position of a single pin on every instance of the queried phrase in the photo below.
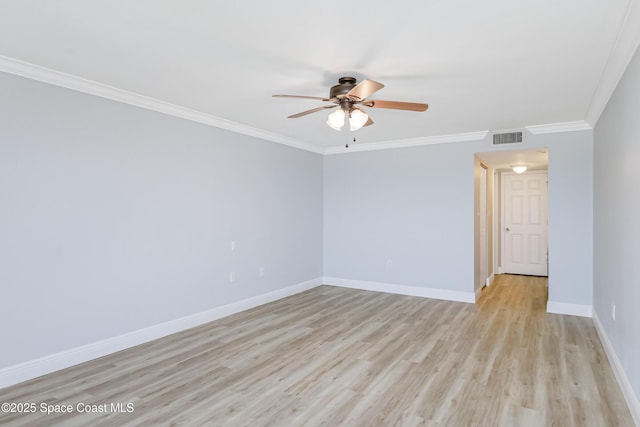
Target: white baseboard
(490, 280)
(569, 309)
(55, 362)
(623, 381)
(478, 292)
(415, 291)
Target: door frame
(484, 222)
(496, 224)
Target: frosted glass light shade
(519, 169)
(357, 119)
(336, 119)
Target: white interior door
(524, 225)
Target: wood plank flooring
(333, 356)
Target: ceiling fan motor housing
(345, 84)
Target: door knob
(507, 229)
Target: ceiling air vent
(507, 138)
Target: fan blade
(300, 96)
(304, 113)
(365, 89)
(369, 122)
(395, 105)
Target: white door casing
(524, 223)
(484, 241)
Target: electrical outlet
(389, 264)
(232, 277)
(233, 246)
(613, 311)
(261, 272)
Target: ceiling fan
(350, 97)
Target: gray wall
(570, 217)
(114, 218)
(415, 206)
(617, 221)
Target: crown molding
(626, 44)
(91, 87)
(559, 127)
(429, 140)
(57, 78)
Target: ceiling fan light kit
(348, 96)
(357, 119)
(336, 120)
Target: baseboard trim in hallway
(569, 309)
(478, 292)
(51, 363)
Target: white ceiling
(494, 65)
(533, 159)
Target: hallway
(516, 292)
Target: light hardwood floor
(333, 356)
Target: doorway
(526, 204)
